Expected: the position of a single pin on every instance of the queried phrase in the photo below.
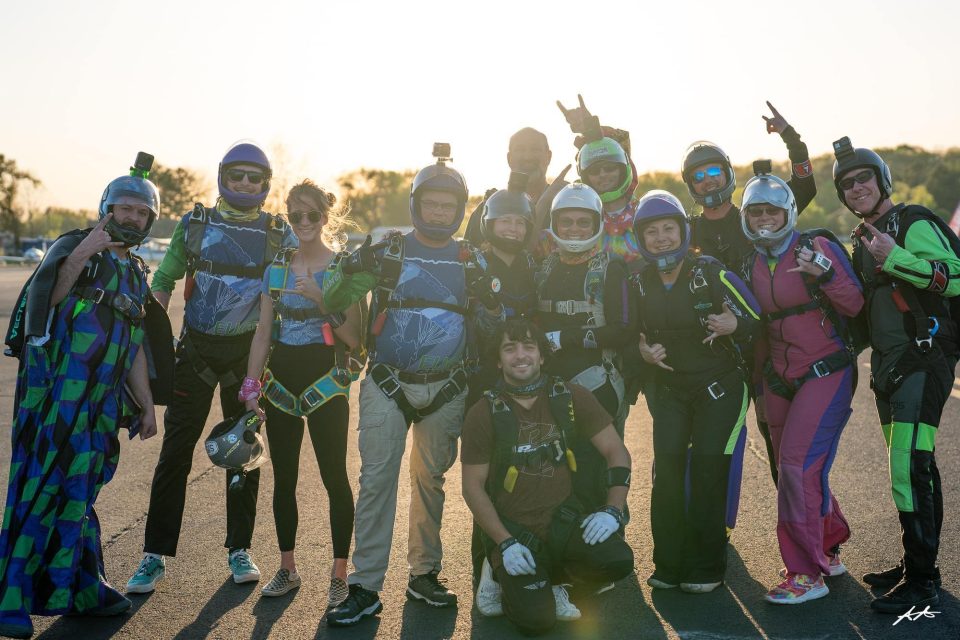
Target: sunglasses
(713, 172)
(297, 217)
(758, 211)
(861, 178)
(236, 175)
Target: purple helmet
(244, 153)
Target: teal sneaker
(149, 573)
(242, 567)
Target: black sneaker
(888, 578)
(904, 596)
(360, 603)
(429, 589)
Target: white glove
(553, 337)
(598, 526)
(518, 560)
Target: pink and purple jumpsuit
(805, 363)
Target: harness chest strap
(509, 456)
(196, 228)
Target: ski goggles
(313, 216)
(710, 172)
(861, 178)
(236, 175)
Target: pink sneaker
(797, 588)
(837, 567)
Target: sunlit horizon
(344, 86)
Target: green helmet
(606, 150)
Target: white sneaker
(566, 610)
(488, 599)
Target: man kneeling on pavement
(519, 473)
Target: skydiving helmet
(606, 150)
(577, 196)
(655, 205)
(438, 177)
(848, 158)
(765, 188)
(698, 154)
(244, 153)
(236, 444)
(131, 189)
(511, 201)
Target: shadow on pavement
(268, 610)
(227, 597)
(92, 627)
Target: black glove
(363, 259)
(483, 287)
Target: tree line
(380, 196)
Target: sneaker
(429, 589)
(657, 583)
(887, 578)
(797, 588)
(359, 603)
(566, 610)
(283, 582)
(699, 587)
(907, 595)
(488, 599)
(338, 592)
(148, 574)
(242, 567)
(837, 568)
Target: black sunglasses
(236, 175)
(313, 216)
(864, 176)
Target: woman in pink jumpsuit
(807, 290)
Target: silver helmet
(770, 190)
(577, 196)
(236, 444)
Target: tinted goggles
(236, 175)
(861, 178)
(709, 172)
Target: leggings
(296, 368)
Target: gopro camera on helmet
(142, 165)
(762, 167)
(441, 151)
(517, 182)
(843, 148)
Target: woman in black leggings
(308, 376)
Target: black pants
(528, 600)
(689, 528)
(910, 412)
(184, 423)
(296, 368)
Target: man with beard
(518, 467)
(528, 153)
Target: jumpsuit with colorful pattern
(68, 405)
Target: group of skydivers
(528, 342)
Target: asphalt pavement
(199, 600)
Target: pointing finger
(582, 105)
(104, 220)
(562, 108)
(773, 109)
(664, 365)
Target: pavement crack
(133, 525)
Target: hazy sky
(85, 85)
